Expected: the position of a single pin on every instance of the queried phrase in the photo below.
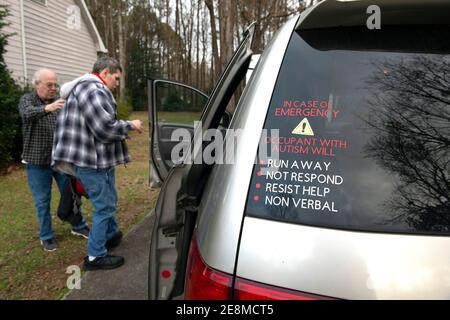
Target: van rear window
(364, 133)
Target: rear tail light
(247, 290)
(204, 283)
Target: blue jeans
(100, 185)
(40, 180)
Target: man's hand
(137, 125)
(57, 105)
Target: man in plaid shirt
(39, 110)
(91, 138)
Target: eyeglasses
(52, 85)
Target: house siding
(51, 41)
(14, 56)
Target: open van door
(172, 106)
(183, 182)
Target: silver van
(351, 198)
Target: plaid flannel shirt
(38, 128)
(88, 133)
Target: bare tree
(227, 17)
(122, 31)
(410, 121)
(186, 41)
(212, 16)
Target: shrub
(10, 121)
(124, 109)
(173, 103)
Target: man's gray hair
(107, 63)
(37, 77)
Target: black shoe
(114, 241)
(103, 263)
(50, 245)
(82, 232)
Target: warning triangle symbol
(304, 128)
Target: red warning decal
(313, 108)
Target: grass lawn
(26, 271)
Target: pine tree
(10, 131)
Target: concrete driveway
(128, 282)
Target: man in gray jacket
(91, 139)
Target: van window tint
(364, 133)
